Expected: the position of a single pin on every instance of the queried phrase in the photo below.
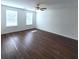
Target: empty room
(39, 29)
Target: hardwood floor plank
(37, 44)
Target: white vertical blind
(29, 18)
(11, 18)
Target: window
(29, 18)
(11, 18)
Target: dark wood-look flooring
(37, 44)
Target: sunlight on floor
(34, 31)
(11, 45)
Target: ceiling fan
(39, 8)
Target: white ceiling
(30, 4)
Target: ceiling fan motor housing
(37, 8)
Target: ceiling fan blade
(42, 9)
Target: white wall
(21, 20)
(62, 21)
